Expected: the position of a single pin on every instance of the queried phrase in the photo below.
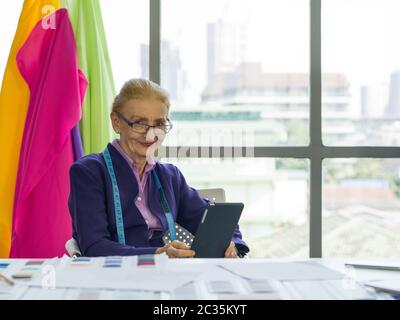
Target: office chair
(213, 194)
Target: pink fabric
(48, 63)
(141, 200)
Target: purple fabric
(77, 143)
(141, 199)
(93, 214)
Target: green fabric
(94, 61)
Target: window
(361, 72)
(233, 85)
(313, 103)
(241, 66)
(272, 225)
(361, 212)
(126, 24)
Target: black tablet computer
(216, 229)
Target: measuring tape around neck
(117, 201)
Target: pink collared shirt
(141, 199)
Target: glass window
(271, 225)
(361, 208)
(126, 24)
(361, 72)
(236, 66)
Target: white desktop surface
(208, 270)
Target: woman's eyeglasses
(140, 127)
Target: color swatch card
(112, 262)
(132, 272)
(22, 269)
(3, 266)
(146, 260)
(110, 294)
(116, 262)
(8, 266)
(87, 294)
(134, 294)
(29, 269)
(221, 286)
(24, 272)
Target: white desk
(208, 270)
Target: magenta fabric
(48, 63)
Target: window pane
(361, 77)
(271, 225)
(126, 24)
(232, 66)
(9, 15)
(361, 208)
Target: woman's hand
(176, 249)
(231, 252)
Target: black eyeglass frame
(132, 123)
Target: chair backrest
(213, 194)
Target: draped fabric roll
(14, 99)
(94, 61)
(48, 63)
(41, 102)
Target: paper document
(14, 292)
(391, 286)
(283, 271)
(328, 290)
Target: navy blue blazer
(91, 206)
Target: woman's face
(143, 111)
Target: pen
(7, 279)
(373, 267)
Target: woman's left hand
(231, 252)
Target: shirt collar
(150, 161)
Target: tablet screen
(216, 229)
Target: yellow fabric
(14, 99)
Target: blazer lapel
(127, 184)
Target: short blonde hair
(139, 89)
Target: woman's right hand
(176, 249)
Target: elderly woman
(122, 202)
